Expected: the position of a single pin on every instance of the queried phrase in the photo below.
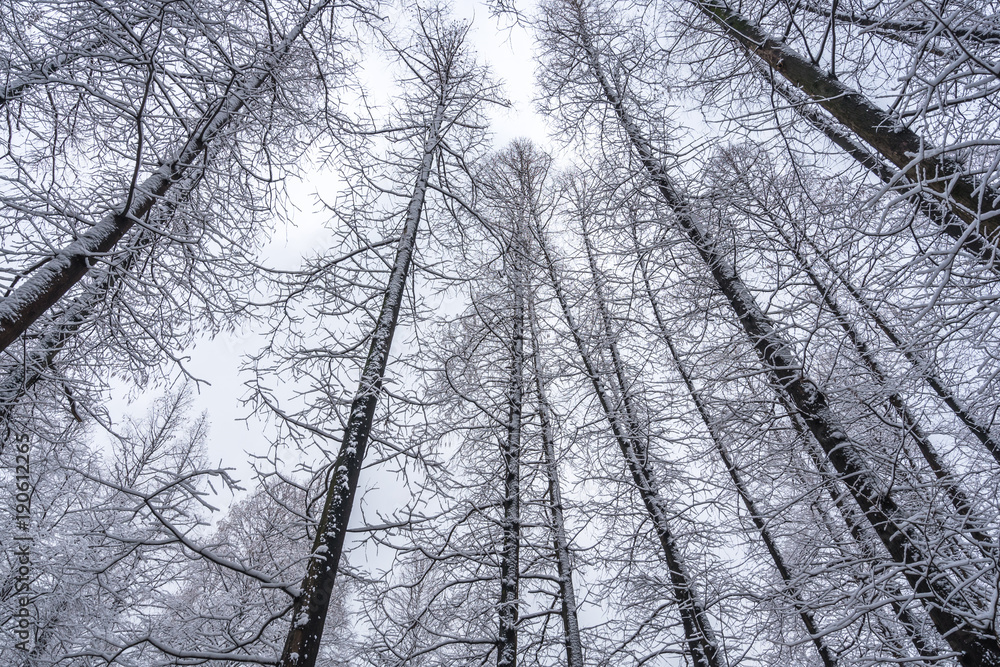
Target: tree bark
(560, 541)
(309, 612)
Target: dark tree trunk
(46, 285)
(560, 541)
(310, 609)
(856, 528)
(976, 244)
(910, 426)
(510, 449)
(923, 366)
(975, 203)
(703, 649)
(827, 655)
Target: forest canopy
(706, 373)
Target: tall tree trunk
(910, 425)
(310, 609)
(972, 242)
(703, 649)
(976, 203)
(510, 449)
(856, 528)
(808, 620)
(923, 366)
(855, 524)
(46, 285)
(560, 541)
(978, 646)
(829, 479)
(38, 361)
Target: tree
(925, 205)
(111, 536)
(448, 89)
(220, 610)
(574, 44)
(973, 200)
(756, 515)
(79, 315)
(515, 189)
(605, 370)
(718, 394)
(191, 140)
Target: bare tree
(756, 515)
(36, 288)
(613, 394)
(78, 317)
(973, 201)
(515, 188)
(448, 90)
(950, 223)
(113, 526)
(574, 44)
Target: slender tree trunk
(910, 425)
(310, 609)
(855, 525)
(923, 366)
(702, 646)
(510, 555)
(560, 541)
(38, 361)
(808, 620)
(976, 203)
(856, 528)
(46, 285)
(623, 383)
(828, 477)
(978, 647)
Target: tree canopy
(707, 375)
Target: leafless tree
(576, 46)
(446, 90)
(164, 123)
